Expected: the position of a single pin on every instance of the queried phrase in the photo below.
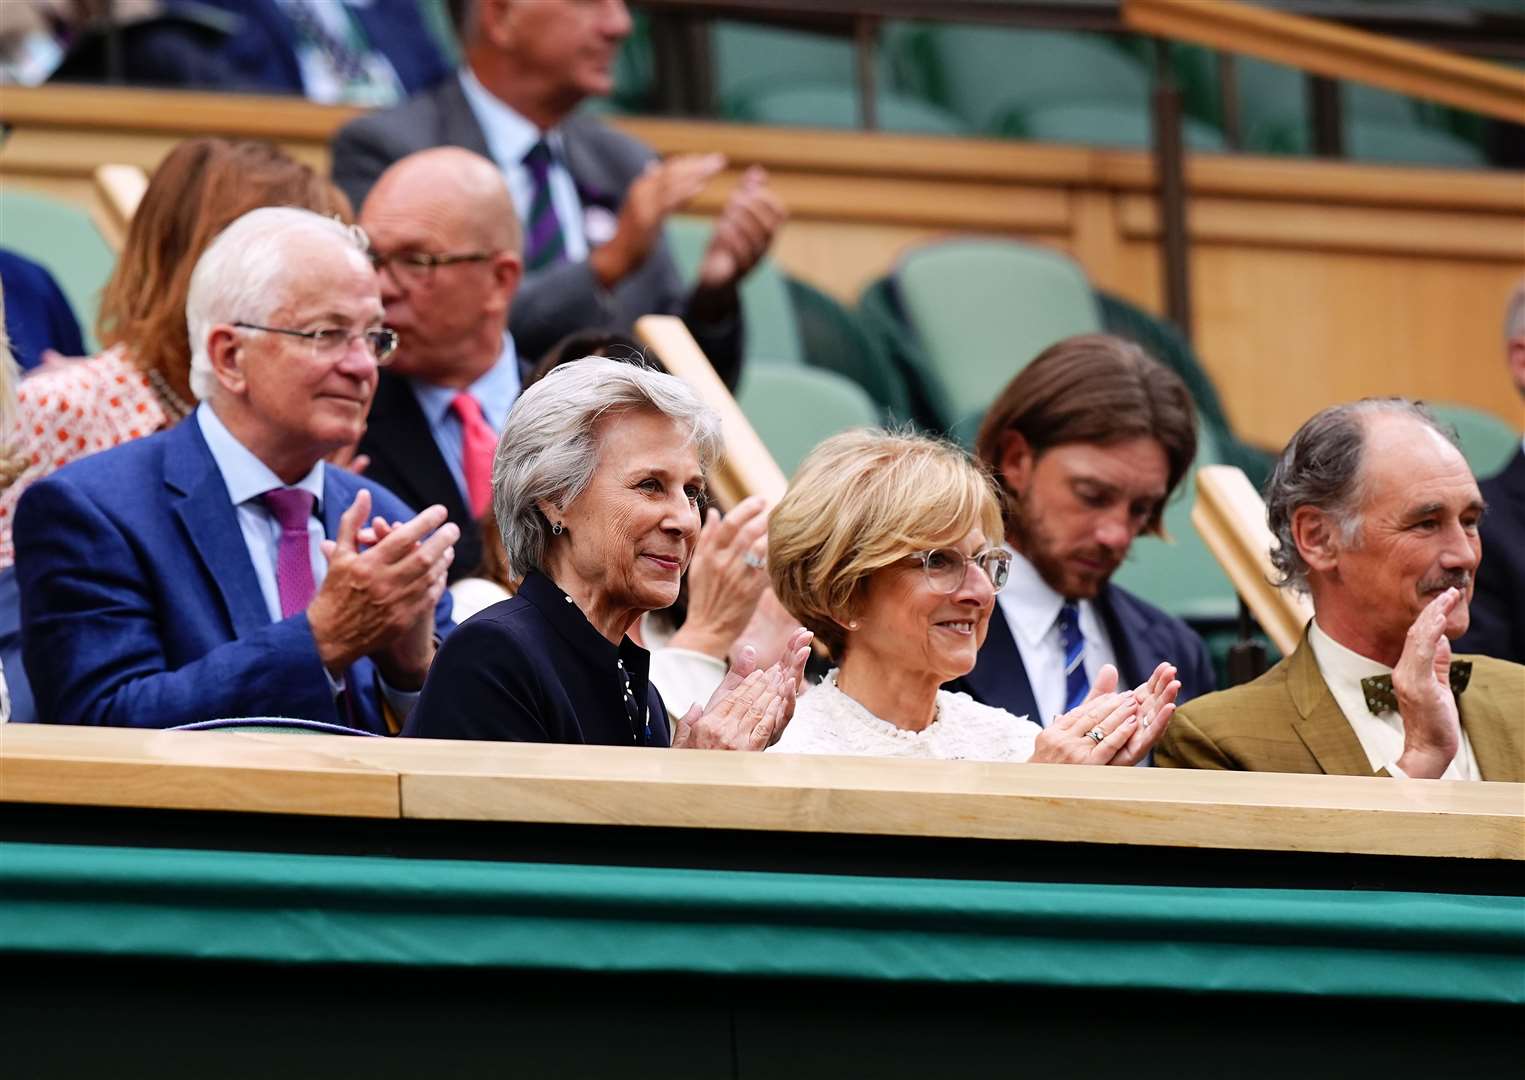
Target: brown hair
(196, 192)
(1094, 388)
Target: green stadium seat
(793, 409)
(1486, 441)
(981, 310)
(64, 239)
(771, 336)
(835, 340)
(829, 106)
(983, 73)
(1103, 124)
(749, 58)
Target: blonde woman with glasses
(887, 547)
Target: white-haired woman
(888, 547)
(597, 488)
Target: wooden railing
(1338, 52)
(590, 785)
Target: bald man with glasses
(445, 242)
(222, 568)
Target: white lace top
(827, 721)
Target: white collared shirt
(1380, 734)
(509, 137)
(1031, 608)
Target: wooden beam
(1335, 51)
(745, 467)
(118, 190)
(1231, 517)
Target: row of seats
(1049, 86)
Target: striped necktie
(544, 244)
(1076, 685)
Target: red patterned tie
(292, 507)
(478, 445)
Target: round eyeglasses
(945, 567)
(332, 342)
(410, 268)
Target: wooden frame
(1337, 52)
(1231, 517)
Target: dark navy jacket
(1142, 636)
(533, 669)
(37, 314)
(140, 608)
(1498, 604)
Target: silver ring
(1097, 734)
(753, 561)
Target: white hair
(239, 276)
(549, 450)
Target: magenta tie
(292, 507)
(479, 442)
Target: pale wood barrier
(118, 189)
(1315, 282)
(1231, 517)
(1339, 52)
(515, 782)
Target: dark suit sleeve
(722, 343)
(91, 634)
(1185, 746)
(360, 153)
(481, 686)
(1498, 600)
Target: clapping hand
(752, 706)
(1422, 685)
(726, 578)
(743, 231)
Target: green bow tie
(1380, 698)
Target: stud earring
(556, 528)
(853, 625)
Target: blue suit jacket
(1142, 635)
(139, 604)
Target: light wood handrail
(118, 191)
(746, 467)
(700, 789)
(1336, 51)
(1231, 517)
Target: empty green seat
(824, 105)
(770, 334)
(748, 58)
(1104, 124)
(981, 309)
(793, 409)
(1486, 441)
(64, 239)
(983, 73)
(835, 340)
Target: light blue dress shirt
(247, 478)
(510, 136)
(496, 391)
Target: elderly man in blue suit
(1086, 444)
(221, 568)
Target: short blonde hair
(861, 501)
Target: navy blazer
(1142, 636)
(1498, 602)
(139, 604)
(561, 299)
(37, 313)
(533, 669)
